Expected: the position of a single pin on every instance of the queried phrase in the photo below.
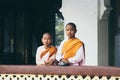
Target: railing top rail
(60, 70)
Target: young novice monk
(71, 51)
(45, 54)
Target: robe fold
(70, 47)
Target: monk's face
(70, 31)
(46, 40)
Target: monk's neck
(48, 46)
(71, 38)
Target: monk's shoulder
(80, 42)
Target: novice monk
(45, 54)
(71, 51)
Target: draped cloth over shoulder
(52, 50)
(70, 47)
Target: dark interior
(22, 23)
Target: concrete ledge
(60, 70)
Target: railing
(28, 72)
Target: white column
(84, 14)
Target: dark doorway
(22, 23)
(114, 33)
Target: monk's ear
(42, 39)
(51, 41)
(75, 31)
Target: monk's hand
(49, 62)
(46, 62)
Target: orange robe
(70, 47)
(52, 51)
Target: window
(59, 30)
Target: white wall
(84, 14)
